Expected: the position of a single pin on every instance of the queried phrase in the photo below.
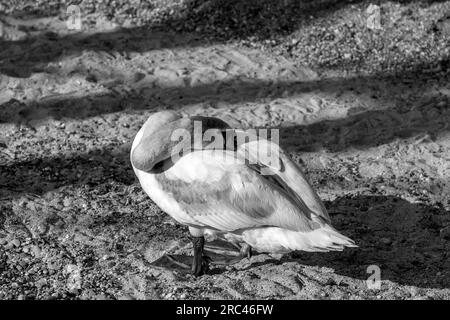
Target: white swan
(219, 196)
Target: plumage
(237, 193)
(219, 191)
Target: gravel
(68, 236)
(326, 34)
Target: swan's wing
(269, 159)
(219, 191)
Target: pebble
(414, 291)
(445, 233)
(15, 242)
(36, 251)
(40, 283)
(125, 296)
(138, 76)
(41, 228)
(442, 104)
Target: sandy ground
(74, 223)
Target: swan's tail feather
(322, 239)
(275, 239)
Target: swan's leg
(200, 261)
(245, 251)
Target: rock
(41, 228)
(125, 296)
(11, 33)
(138, 76)
(15, 242)
(445, 233)
(91, 78)
(443, 25)
(40, 283)
(100, 296)
(386, 241)
(414, 291)
(36, 251)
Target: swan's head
(166, 136)
(152, 144)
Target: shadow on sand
(399, 237)
(223, 20)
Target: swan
(230, 192)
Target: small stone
(55, 295)
(40, 283)
(36, 251)
(445, 233)
(414, 291)
(430, 295)
(386, 241)
(41, 228)
(442, 104)
(100, 296)
(91, 78)
(15, 242)
(138, 76)
(125, 296)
